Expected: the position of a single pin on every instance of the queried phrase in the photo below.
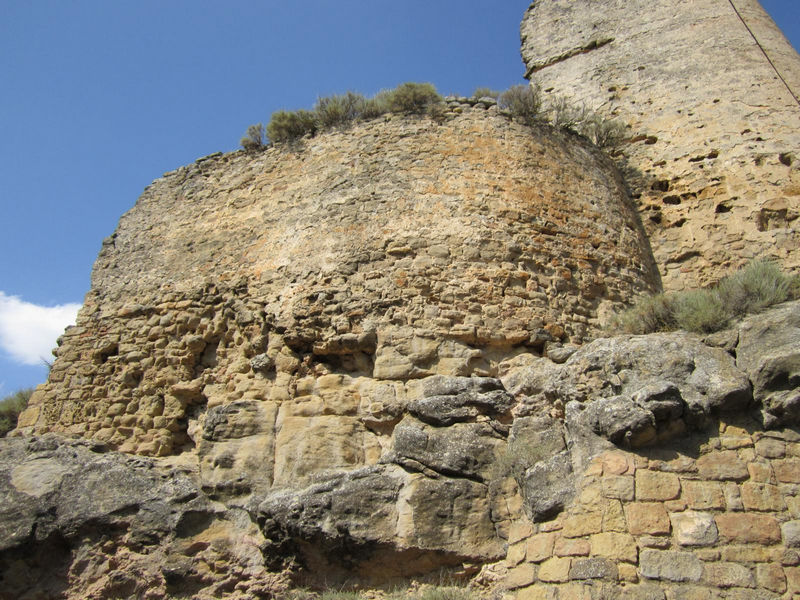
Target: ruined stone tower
(711, 93)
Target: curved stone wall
(299, 278)
(711, 97)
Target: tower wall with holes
(710, 97)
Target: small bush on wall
(759, 285)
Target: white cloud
(28, 332)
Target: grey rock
(791, 533)
(548, 486)
(667, 565)
(231, 421)
(261, 363)
(358, 506)
(593, 568)
(647, 382)
(559, 354)
(447, 400)
(616, 418)
(769, 353)
(462, 450)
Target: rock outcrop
(638, 464)
(711, 95)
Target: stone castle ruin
(378, 354)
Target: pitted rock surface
(712, 99)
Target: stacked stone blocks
(723, 522)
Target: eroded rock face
(768, 350)
(711, 98)
(466, 465)
(78, 521)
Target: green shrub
(254, 138)
(485, 92)
(606, 133)
(757, 286)
(285, 126)
(650, 313)
(524, 102)
(412, 98)
(701, 311)
(375, 107)
(339, 109)
(444, 592)
(10, 408)
(566, 115)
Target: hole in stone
(786, 158)
(671, 200)
(662, 185)
(722, 207)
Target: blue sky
(101, 97)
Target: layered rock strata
(711, 96)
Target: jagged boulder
(768, 351)
(633, 389)
(79, 521)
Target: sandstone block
(520, 576)
(540, 547)
(617, 463)
(787, 470)
(536, 592)
(743, 528)
(654, 485)
(751, 553)
(771, 577)
(761, 497)
(760, 472)
(726, 575)
(555, 570)
(519, 530)
(515, 555)
(733, 498)
(579, 525)
(724, 465)
(792, 579)
(692, 528)
(647, 518)
(619, 546)
(628, 572)
(670, 565)
(619, 487)
(703, 494)
(614, 517)
(571, 547)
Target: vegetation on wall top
(523, 103)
